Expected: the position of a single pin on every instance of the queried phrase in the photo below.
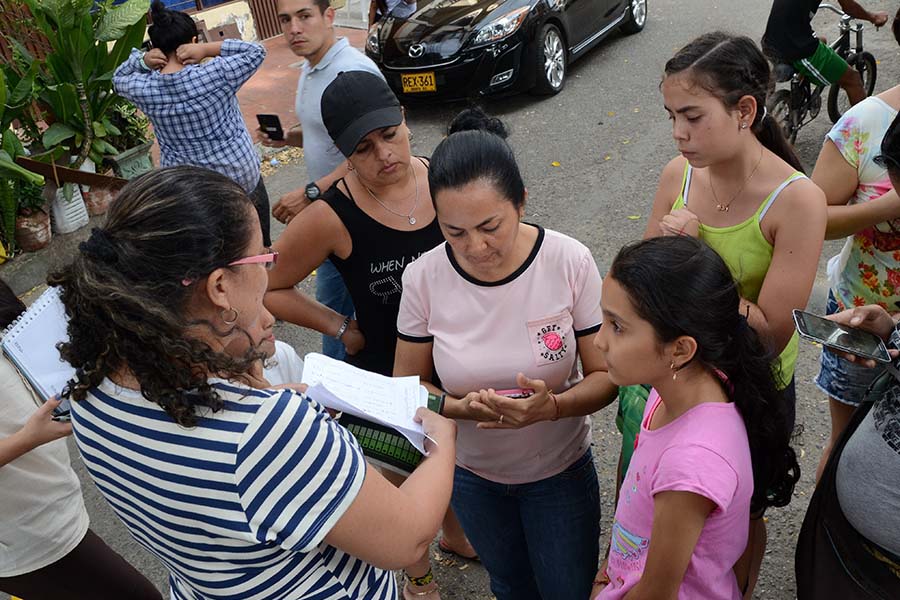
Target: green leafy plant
(30, 197)
(132, 126)
(16, 93)
(74, 81)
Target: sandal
(424, 581)
(444, 547)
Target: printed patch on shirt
(551, 338)
(626, 545)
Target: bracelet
(343, 328)
(555, 403)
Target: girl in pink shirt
(714, 441)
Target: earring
(229, 316)
(674, 371)
(349, 166)
(743, 126)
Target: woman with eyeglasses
(863, 208)
(240, 489)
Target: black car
(450, 49)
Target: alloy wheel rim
(639, 12)
(554, 59)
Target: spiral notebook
(30, 344)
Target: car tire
(550, 62)
(636, 18)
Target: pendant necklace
(409, 216)
(724, 207)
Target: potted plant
(32, 221)
(16, 94)
(133, 137)
(88, 40)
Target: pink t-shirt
(486, 333)
(704, 451)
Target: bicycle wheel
(838, 103)
(780, 109)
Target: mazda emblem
(416, 50)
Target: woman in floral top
(864, 208)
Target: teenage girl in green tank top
(737, 185)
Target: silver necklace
(408, 216)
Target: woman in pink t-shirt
(714, 441)
(505, 304)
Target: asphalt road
(609, 133)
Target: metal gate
(266, 18)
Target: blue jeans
(538, 540)
(331, 291)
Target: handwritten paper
(391, 401)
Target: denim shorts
(843, 380)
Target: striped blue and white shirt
(195, 111)
(237, 507)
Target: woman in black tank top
(371, 224)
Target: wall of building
(233, 12)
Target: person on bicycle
(789, 38)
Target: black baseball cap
(355, 104)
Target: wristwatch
(312, 191)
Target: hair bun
(158, 11)
(475, 119)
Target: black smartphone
(271, 124)
(840, 337)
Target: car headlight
(372, 43)
(501, 27)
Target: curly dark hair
(681, 286)
(128, 292)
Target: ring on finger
(500, 420)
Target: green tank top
(748, 255)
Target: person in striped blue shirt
(243, 492)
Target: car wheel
(550, 61)
(637, 17)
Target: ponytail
(770, 134)
(767, 417)
(653, 273)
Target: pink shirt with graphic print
(704, 451)
(486, 333)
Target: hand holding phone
(515, 392)
(271, 126)
(843, 338)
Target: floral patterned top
(867, 270)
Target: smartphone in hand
(271, 125)
(515, 393)
(841, 337)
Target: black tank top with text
(373, 272)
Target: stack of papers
(389, 401)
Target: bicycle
(795, 107)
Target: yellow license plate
(414, 83)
